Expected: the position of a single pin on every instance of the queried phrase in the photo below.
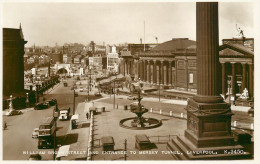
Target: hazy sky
(112, 23)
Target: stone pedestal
(208, 135)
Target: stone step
(176, 145)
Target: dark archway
(62, 71)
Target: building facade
(13, 62)
(173, 64)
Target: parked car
(131, 98)
(13, 112)
(35, 157)
(41, 105)
(35, 133)
(52, 102)
(97, 94)
(81, 89)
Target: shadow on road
(68, 139)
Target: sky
(113, 23)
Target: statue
(11, 104)
(244, 95)
(240, 33)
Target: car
(40, 106)
(35, 157)
(97, 94)
(13, 112)
(35, 133)
(131, 98)
(81, 89)
(52, 102)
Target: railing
(162, 139)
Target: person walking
(87, 115)
(5, 125)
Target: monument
(139, 122)
(208, 134)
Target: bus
(46, 133)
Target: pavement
(78, 137)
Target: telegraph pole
(125, 148)
(74, 101)
(114, 94)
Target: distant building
(77, 59)
(113, 60)
(56, 57)
(65, 58)
(13, 66)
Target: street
(18, 142)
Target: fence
(162, 139)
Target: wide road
(17, 140)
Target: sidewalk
(78, 138)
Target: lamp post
(74, 88)
(89, 83)
(11, 103)
(55, 116)
(27, 99)
(159, 89)
(115, 92)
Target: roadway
(17, 138)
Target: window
(191, 78)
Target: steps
(187, 151)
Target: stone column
(170, 73)
(233, 82)
(124, 67)
(208, 117)
(175, 75)
(223, 80)
(142, 70)
(149, 71)
(145, 71)
(166, 74)
(251, 81)
(244, 77)
(162, 76)
(187, 74)
(154, 72)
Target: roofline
(222, 47)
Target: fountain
(139, 122)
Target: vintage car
(35, 133)
(35, 157)
(41, 105)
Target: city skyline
(114, 23)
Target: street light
(74, 95)
(89, 81)
(55, 116)
(27, 99)
(11, 103)
(159, 89)
(114, 91)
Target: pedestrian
(87, 115)
(5, 125)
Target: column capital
(233, 63)
(161, 61)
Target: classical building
(113, 60)
(173, 64)
(13, 62)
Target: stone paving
(107, 124)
